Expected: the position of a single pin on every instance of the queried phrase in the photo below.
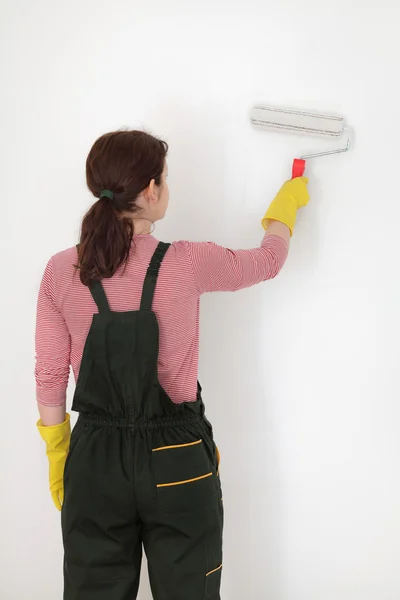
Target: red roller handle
(299, 166)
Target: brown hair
(123, 162)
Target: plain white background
(300, 375)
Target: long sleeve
(53, 345)
(218, 269)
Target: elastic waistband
(140, 423)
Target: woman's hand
(292, 196)
(57, 438)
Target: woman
(141, 467)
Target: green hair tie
(107, 194)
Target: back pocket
(185, 477)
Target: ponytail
(105, 242)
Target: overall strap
(151, 276)
(99, 296)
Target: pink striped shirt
(65, 307)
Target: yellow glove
(292, 196)
(57, 439)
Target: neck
(142, 226)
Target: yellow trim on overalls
(177, 446)
(161, 485)
(214, 570)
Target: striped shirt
(65, 307)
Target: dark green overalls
(141, 469)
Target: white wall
(300, 375)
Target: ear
(150, 192)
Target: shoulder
(191, 252)
(61, 269)
(195, 251)
(185, 247)
(64, 261)
(65, 256)
(180, 247)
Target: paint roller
(304, 122)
